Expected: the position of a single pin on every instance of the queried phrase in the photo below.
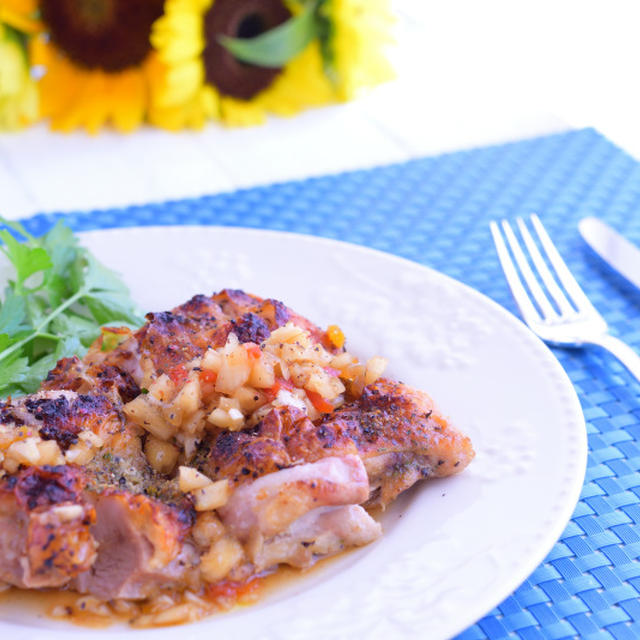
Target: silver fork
(572, 321)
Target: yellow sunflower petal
(193, 113)
(94, 106)
(40, 52)
(178, 36)
(302, 84)
(361, 35)
(73, 97)
(183, 80)
(24, 7)
(179, 98)
(18, 96)
(210, 101)
(20, 14)
(128, 111)
(94, 96)
(240, 113)
(58, 87)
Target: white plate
(452, 549)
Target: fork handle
(622, 351)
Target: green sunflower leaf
(274, 48)
(326, 36)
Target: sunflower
(356, 35)
(98, 62)
(18, 94)
(199, 78)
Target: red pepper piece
(319, 402)
(178, 373)
(207, 376)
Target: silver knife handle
(622, 351)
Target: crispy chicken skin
(400, 436)
(61, 415)
(73, 374)
(396, 430)
(286, 437)
(45, 523)
(170, 338)
(114, 527)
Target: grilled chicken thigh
(45, 524)
(284, 437)
(400, 436)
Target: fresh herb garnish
(55, 306)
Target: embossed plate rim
(564, 503)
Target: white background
(470, 72)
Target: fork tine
(547, 277)
(548, 312)
(529, 312)
(565, 276)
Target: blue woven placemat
(436, 211)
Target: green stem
(38, 330)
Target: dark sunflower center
(246, 19)
(251, 26)
(111, 35)
(95, 14)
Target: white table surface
(468, 73)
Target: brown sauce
(66, 606)
(42, 603)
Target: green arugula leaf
(274, 48)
